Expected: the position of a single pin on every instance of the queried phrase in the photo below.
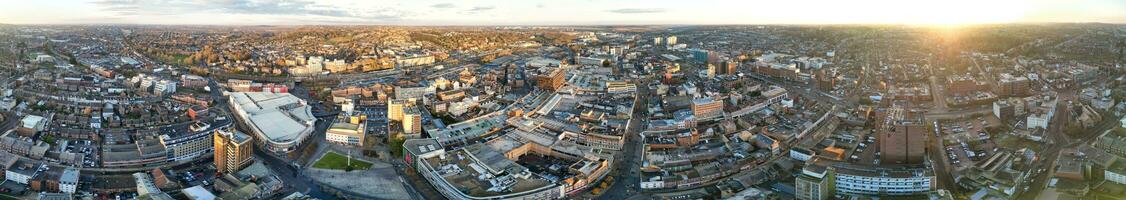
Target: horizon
(555, 13)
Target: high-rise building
(710, 71)
(903, 143)
(412, 120)
(814, 184)
(671, 40)
(657, 41)
(232, 150)
(395, 109)
(700, 55)
(730, 67)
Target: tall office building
(232, 150)
(814, 184)
(395, 109)
(903, 143)
(711, 70)
(412, 120)
(730, 67)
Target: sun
(965, 12)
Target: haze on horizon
(547, 12)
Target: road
(1060, 141)
(939, 163)
(627, 173)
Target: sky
(557, 12)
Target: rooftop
(277, 116)
(470, 170)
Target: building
(232, 150)
(414, 61)
(164, 87)
(20, 171)
(1010, 86)
(279, 121)
(187, 145)
(617, 87)
(553, 80)
(395, 109)
(414, 92)
(1112, 143)
(729, 67)
(1038, 119)
(146, 189)
(864, 181)
(313, 65)
(349, 132)
(707, 108)
(1003, 110)
(31, 124)
(814, 185)
(198, 193)
(671, 40)
(494, 175)
(142, 152)
(961, 85)
(903, 143)
(68, 181)
(412, 120)
(193, 81)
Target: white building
(414, 92)
(1038, 120)
(20, 172)
(279, 121)
(351, 132)
(653, 183)
(164, 87)
(44, 58)
(68, 181)
(314, 65)
(671, 40)
(414, 61)
(851, 180)
(34, 123)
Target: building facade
(232, 151)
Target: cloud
(254, 7)
(443, 5)
(480, 9)
(476, 10)
(637, 10)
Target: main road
(627, 170)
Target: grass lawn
(333, 160)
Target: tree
(396, 145)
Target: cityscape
(301, 100)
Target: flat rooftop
(464, 168)
(279, 117)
